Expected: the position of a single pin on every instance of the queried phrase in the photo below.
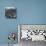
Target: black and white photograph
(10, 12)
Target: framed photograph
(10, 12)
(32, 32)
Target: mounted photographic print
(10, 12)
(28, 34)
(32, 32)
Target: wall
(28, 12)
